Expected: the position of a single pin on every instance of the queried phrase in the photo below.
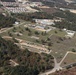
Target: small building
(16, 22)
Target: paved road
(64, 58)
(66, 55)
(56, 67)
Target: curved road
(56, 67)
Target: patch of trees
(34, 60)
(68, 22)
(67, 15)
(7, 51)
(47, 42)
(31, 16)
(29, 63)
(6, 21)
(21, 70)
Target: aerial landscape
(37, 37)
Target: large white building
(22, 0)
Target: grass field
(59, 48)
(70, 58)
(27, 35)
(60, 44)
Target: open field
(26, 35)
(49, 10)
(60, 44)
(70, 58)
(59, 48)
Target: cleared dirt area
(49, 10)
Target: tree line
(31, 16)
(68, 22)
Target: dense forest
(68, 22)
(31, 16)
(6, 21)
(29, 63)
